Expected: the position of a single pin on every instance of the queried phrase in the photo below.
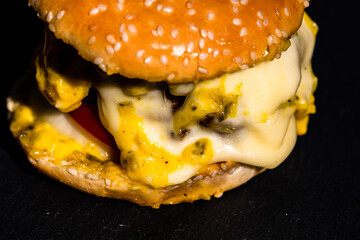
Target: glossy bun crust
(177, 41)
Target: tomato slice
(88, 118)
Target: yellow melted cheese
(264, 107)
(61, 91)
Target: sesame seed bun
(177, 41)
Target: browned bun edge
(177, 41)
(199, 187)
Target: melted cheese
(260, 109)
(63, 92)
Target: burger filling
(167, 133)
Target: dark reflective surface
(314, 194)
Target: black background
(314, 194)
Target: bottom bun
(198, 187)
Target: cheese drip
(260, 109)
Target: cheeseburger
(161, 102)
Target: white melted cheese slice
(264, 124)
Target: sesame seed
(107, 182)
(148, 3)
(122, 28)
(155, 33)
(270, 40)
(129, 16)
(188, 4)
(191, 12)
(52, 27)
(102, 67)
(243, 32)
(237, 60)
(236, 21)
(91, 40)
(252, 56)
(168, 9)
(203, 56)
(277, 12)
(160, 30)
(140, 53)
(259, 23)
(197, 178)
(148, 60)
(266, 22)
(306, 4)
(215, 53)
(218, 195)
(235, 9)
(171, 76)
(72, 171)
(186, 62)
(159, 7)
(178, 50)
(244, 66)
(226, 52)
(203, 33)
(132, 28)
(190, 47)
(94, 11)
(49, 16)
(210, 35)
(125, 37)
(120, 6)
(101, 7)
(174, 33)
(201, 43)
(284, 34)
(60, 14)
(98, 60)
(286, 10)
(163, 59)
(234, 1)
(90, 176)
(193, 27)
(202, 70)
(210, 16)
(110, 39)
(117, 46)
(243, 2)
(260, 15)
(278, 32)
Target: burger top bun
(178, 41)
